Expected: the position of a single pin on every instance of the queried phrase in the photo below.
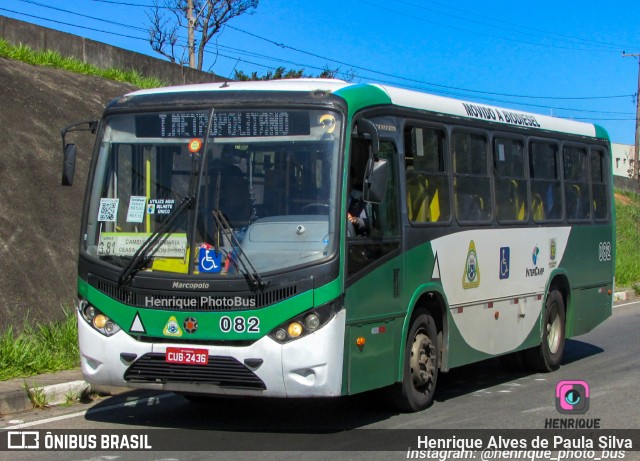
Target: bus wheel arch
(422, 355)
(548, 355)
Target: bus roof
(399, 97)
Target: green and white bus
(216, 256)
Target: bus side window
(383, 234)
(427, 181)
(510, 182)
(546, 198)
(472, 187)
(576, 190)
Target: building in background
(623, 157)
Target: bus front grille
(213, 301)
(222, 371)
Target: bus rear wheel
(420, 372)
(548, 356)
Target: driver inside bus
(357, 213)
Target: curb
(52, 389)
(625, 295)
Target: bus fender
(559, 279)
(428, 290)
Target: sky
(551, 57)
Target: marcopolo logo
(572, 397)
(190, 285)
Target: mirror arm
(367, 127)
(92, 125)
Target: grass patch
(628, 240)
(54, 59)
(40, 349)
(37, 396)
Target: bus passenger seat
(574, 202)
(417, 199)
(537, 207)
(434, 207)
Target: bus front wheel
(420, 371)
(548, 355)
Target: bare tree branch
(209, 17)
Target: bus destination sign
(237, 124)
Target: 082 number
(240, 324)
(604, 251)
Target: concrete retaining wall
(99, 54)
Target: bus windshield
(262, 185)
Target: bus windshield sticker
(237, 124)
(136, 208)
(127, 243)
(108, 210)
(328, 123)
(160, 206)
(209, 260)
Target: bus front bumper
(307, 367)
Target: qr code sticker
(108, 209)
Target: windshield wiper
(142, 256)
(250, 272)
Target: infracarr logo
(572, 397)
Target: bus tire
(421, 364)
(548, 356)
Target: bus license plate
(187, 356)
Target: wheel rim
(553, 331)
(422, 362)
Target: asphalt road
(480, 396)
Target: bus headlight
(97, 319)
(294, 330)
(305, 323)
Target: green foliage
(54, 59)
(628, 241)
(281, 73)
(39, 349)
(37, 395)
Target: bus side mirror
(69, 164)
(69, 150)
(375, 180)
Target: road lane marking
(625, 304)
(131, 403)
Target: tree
(201, 18)
(282, 73)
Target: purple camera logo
(572, 397)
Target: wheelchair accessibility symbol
(504, 263)
(209, 261)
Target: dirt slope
(40, 219)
